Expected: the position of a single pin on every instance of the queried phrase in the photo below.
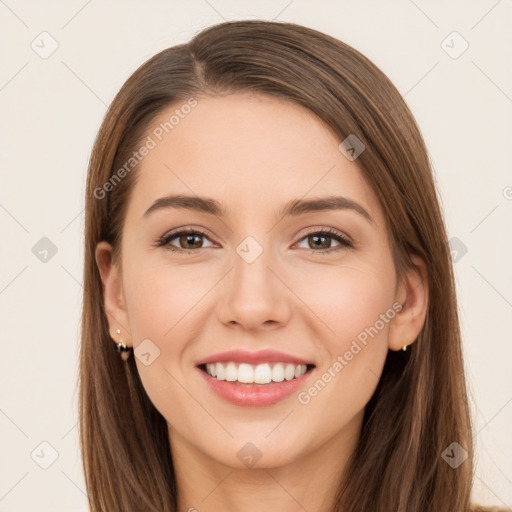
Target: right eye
(189, 240)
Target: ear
(113, 297)
(412, 294)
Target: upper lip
(262, 356)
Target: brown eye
(190, 241)
(322, 240)
(187, 241)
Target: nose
(253, 294)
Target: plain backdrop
(52, 105)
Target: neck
(309, 482)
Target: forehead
(247, 150)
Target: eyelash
(343, 240)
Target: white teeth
(255, 374)
(289, 372)
(262, 374)
(278, 373)
(245, 373)
(219, 369)
(231, 373)
(212, 369)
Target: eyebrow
(294, 207)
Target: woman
(265, 248)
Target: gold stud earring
(404, 348)
(122, 348)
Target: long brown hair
(420, 406)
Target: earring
(122, 348)
(404, 348)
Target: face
(283, 285)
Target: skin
(253, 153)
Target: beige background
(52, 107)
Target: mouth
(263, 374)
(255, 385)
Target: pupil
(190, 238)
(316, 237)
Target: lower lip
(245, 395)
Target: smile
(255, 386)
(245, 373)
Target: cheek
(162, 304)
(348, 299)
(356, 304)
(159, 298)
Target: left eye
(319, 239)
